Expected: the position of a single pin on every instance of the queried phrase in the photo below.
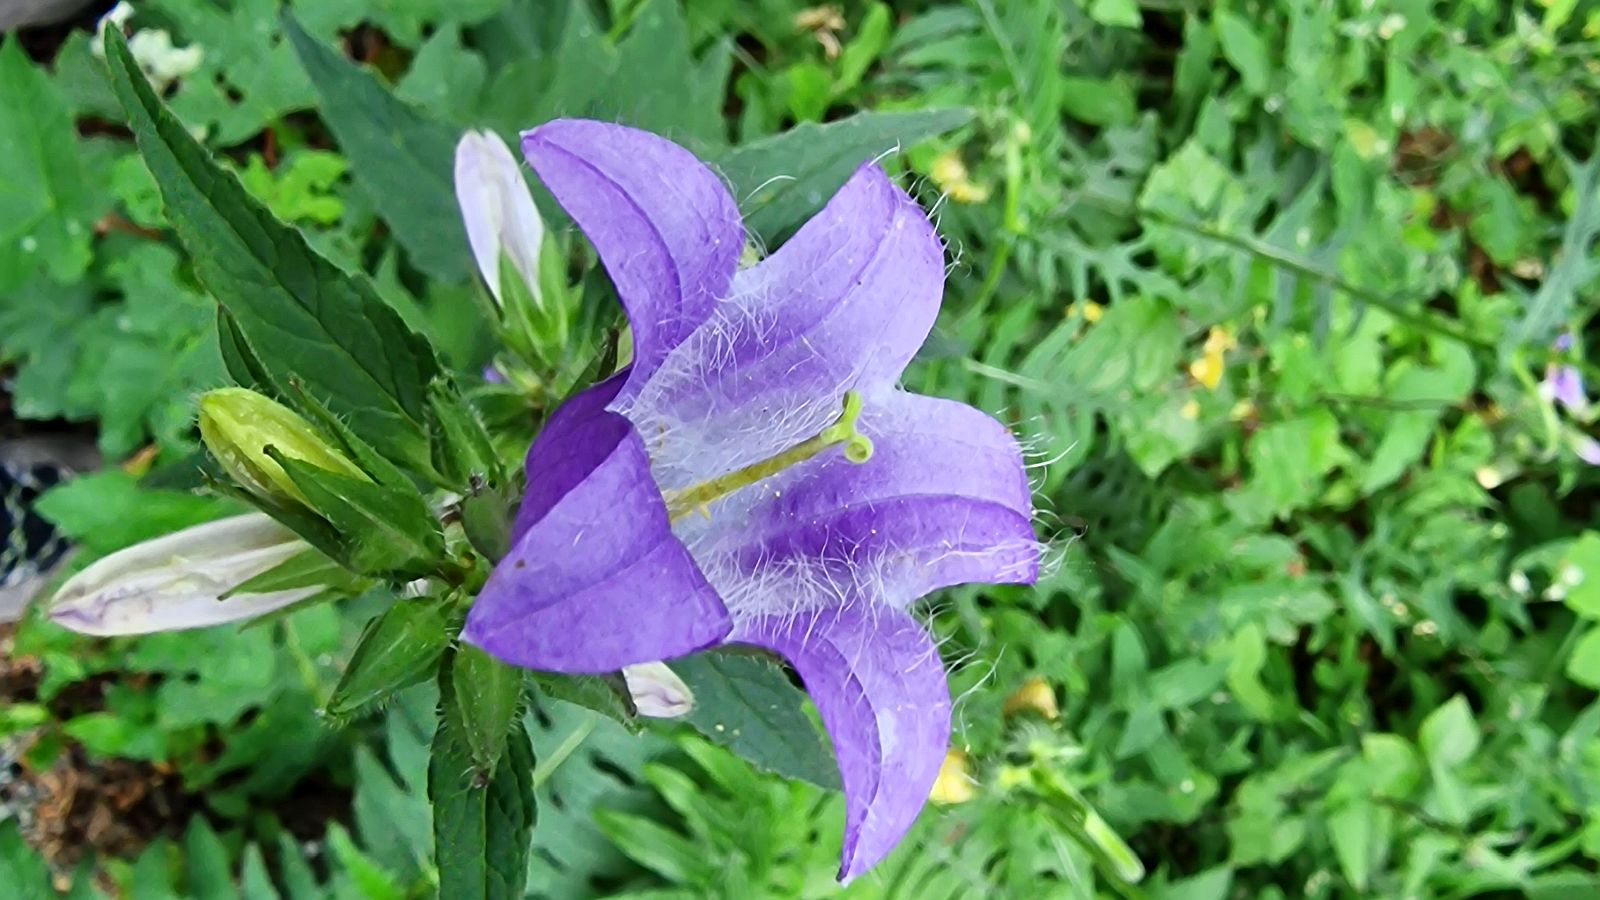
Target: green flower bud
(238, 425)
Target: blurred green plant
(1269, 285)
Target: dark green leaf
(207, 862)
(749, 706)
(649, 79)
(487, 695)
(604, 694)
(322, 324)
(403, 158)
(482, 826)
(815, 160)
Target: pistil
(857, 449)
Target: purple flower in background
(1563, 383)
(755, 476)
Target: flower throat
(857, 449)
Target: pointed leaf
(751, 707)
(404, 159)
(322, 324)
(482, 827)
(816, 160)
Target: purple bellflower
(755, 476)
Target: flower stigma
(857, 449)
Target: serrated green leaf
(487, 695)
(403, 158)
(797, 171)
(482, 826)
(322, 324)
(749, 706)
(46, 205)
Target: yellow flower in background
(1207, 370)
(1190, 409)
(955, 783)
(1088, 310)
(1035, 696)
(952, 177)
(1220, 340)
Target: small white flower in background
(152, 48)
(497, 210)
(176, 582)
(160, 60)
(657, 691)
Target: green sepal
(462, 449)
(310, 527)
(399, 648)
(369, 459)
(486, 516)
(385, 530)
(305, 569)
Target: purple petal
(1564, 384)
(944, 500)
(875, 677)
(1563, 342)
(595, 579)
(844, 303)
(664, 225)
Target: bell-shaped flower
(181, 580)
(754, 475)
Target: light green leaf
(1116, 13)
(47, 209)
(1351, 831)
(1244, 48)
(1583, 666)
(1449, 735)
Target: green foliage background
(1268, 287)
